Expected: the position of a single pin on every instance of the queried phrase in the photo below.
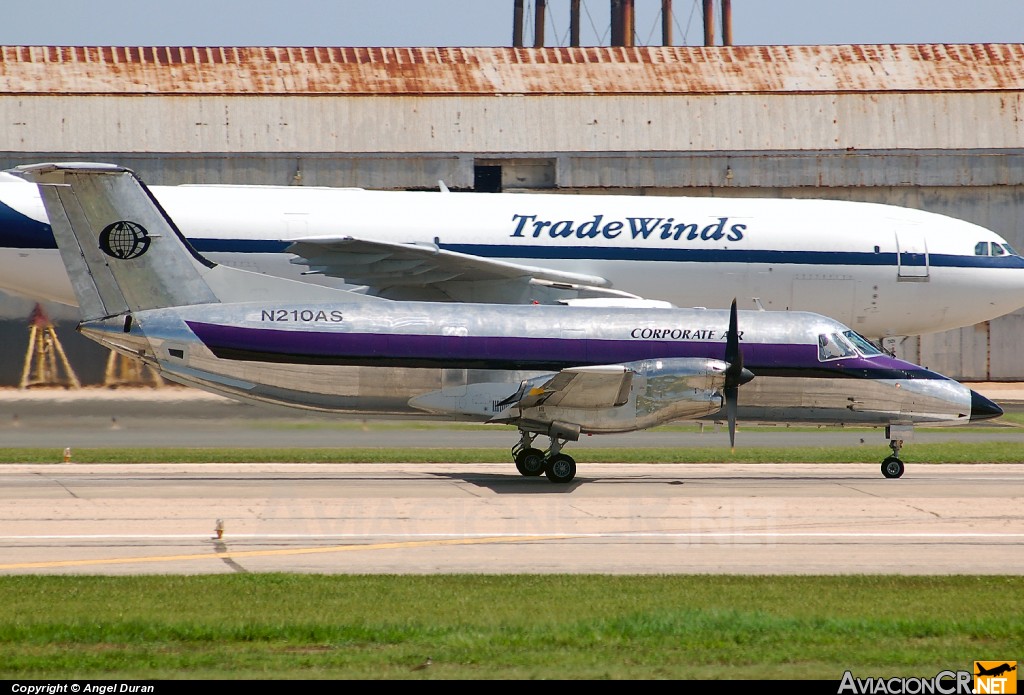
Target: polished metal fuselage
(379, 357)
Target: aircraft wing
(601, 386)
(422, 270)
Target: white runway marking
(535, 536)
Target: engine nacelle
(668, 390)
(660, 391)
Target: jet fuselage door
(911, 254)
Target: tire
(892, 467)
(530, 462)
(561, 468)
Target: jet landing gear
(530, 461)
(892, 466)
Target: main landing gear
(892, 466)
(530, 461)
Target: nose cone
(982, 408)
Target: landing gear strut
(530, 461)
(892, 466)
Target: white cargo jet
(555, 371)
(883, 270)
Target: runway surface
(72, 518)
(485, 518)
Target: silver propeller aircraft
(548, 370)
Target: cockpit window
(832, 346)
(985, 248)
(863, 345)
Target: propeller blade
(730, 411)
(732, 348)
(735, 375)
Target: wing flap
(602, 386)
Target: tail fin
(123, 252)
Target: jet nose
(982, 408)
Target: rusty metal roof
(69, 70)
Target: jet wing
(383, 265)
(601, 386)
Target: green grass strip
(942, 452)
(534, 627)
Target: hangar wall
(608, 123)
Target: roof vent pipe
(709, 23)
(726, 22)
(517, 24)
(538, 23)
(666, 22)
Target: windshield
(863, 345)
(832, 346)
(985, 248)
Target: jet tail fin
(124, 253)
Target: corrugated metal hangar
(937, 127)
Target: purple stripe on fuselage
(506, 352)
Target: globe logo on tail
(124, 240)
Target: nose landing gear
(892, 466)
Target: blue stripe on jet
(240, 245)
(655, 254)
(20, 231)
(728, 255)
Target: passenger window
(981, 248)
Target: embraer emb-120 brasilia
(881, 269)
(554, 371)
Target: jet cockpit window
(863, 345)
(984, 248)
(832, 346)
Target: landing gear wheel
(560, 468)
(530, 462)
(892, 467)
